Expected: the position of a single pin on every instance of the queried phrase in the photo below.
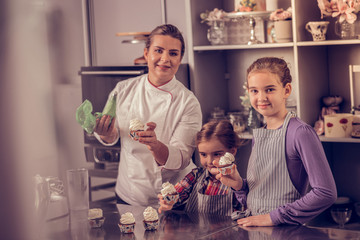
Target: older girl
(289, 180)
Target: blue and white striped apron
(269, 182)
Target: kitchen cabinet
(218, 72)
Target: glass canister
(217, 32)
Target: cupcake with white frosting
(226, 163)
(169, 193)
(95, 217)
(136, 126)
(127, 223)
(151, 219)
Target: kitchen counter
(180, 225)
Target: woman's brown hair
(167, 30)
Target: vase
(283, 31)
(344, 29)
(217, 32)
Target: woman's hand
(159, 150)
(105, 127)
(233, 180)
(148, 137)
(253, 221)
(163, 205)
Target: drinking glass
(341, 215)
(78, 189)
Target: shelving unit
(315, 66)
(218, 72)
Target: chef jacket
(177, 114)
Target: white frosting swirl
(127, 218)
(95, 213)
(228, 158)
(136, 125)
(167, 188)
(150, 214)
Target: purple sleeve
(303, 146)
(241, 194)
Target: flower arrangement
(281, 14)
(246, 6)
(214, 15)
(346, 10)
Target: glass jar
(217, 33)
(344, 29)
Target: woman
(172, 115)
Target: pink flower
(344, 9)
(281, 14)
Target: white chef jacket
(177, 114)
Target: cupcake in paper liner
(151, 219)
(226, 163)
(136, 126)
(127, 223)
(169, 193)
(96, 218)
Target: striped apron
(268, 178)
(210, 204)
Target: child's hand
(233, 180)
(163, 205)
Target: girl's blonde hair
(223, 130)
(273, 65)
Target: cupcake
(169, 193)
(96, 218)
(151, 219)
(127, 223)
(135, 126)
(226, 163)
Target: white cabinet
(318, 68)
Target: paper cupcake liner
(151, 225)
(127, 228)
(226, 170)
(97, 222)
(171, 198)
(134, 135)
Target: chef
(171, 115)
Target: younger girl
(289, 180)
(199, 191)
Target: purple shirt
(307, 165)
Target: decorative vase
(283, 31)
(344, 29)
(217, 33)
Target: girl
(289, 180)
(199, 191)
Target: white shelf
(329, 42)
(242, 46)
